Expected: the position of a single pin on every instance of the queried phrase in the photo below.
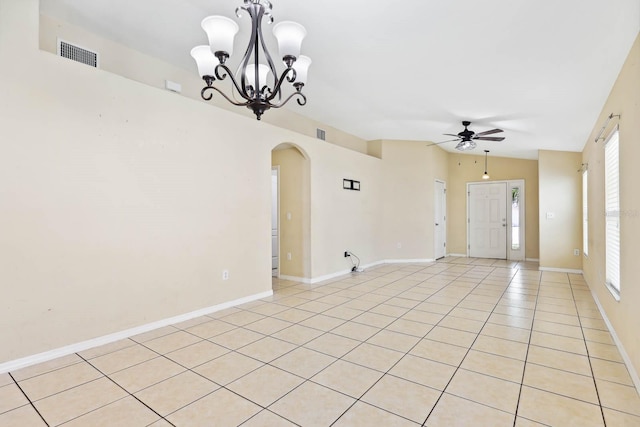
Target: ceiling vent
(321, 134)
(77, 53)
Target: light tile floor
(458, 342)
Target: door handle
(437, 223)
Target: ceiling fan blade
(489, 132)
(438, 143)
(450, 134)
(489, 138)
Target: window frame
(585, 212)
(612, 212)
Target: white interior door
(440, 231)
(488, 220)
(275, 243)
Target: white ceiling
(540, 70)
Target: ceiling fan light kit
(252, 82)
(466, 145)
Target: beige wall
(560, 194)
(135, 65)
(410, 169)
(624, 315)
(117, 209)
(122, 203)
(343, 219)
(464, 168)
(294, 197)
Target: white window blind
(585, 213)
(612, 207)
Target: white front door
(488, 220)
(440, 231)
(275, 244)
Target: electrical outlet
(289, 256)
(225, 274)
(346, 254)
(576, 252)
(399, 245)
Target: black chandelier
(252, 81)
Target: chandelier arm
(226, 70)
(229, 74)
(272, 66)
(301, 101)
(255, 13)
(208, 97)
(283, 77)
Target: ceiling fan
(468, 137)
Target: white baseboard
(407, 261)
(337, 274)
(560, 270)
(627, 360)
(373, 264)
(465, 256)
(23, 362)
(329, 276)
(295, 279)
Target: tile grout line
(264, 363)
(220, 386)
(142, 344)
(587, 350)
(28, 399)
(397, 293)
(178, 329)
(564, 370)
(406, 353)
(357, 399)
(125, 390)
(134, 342)
(235, 351)
(362, 342)
(469, 349)
(526, 357)
(442, 392)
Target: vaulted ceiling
(413, 70)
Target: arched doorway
(291, 257)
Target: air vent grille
(78, 54)
(321, 134)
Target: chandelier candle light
(252, 81)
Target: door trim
(276, 169)
(444, 207)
